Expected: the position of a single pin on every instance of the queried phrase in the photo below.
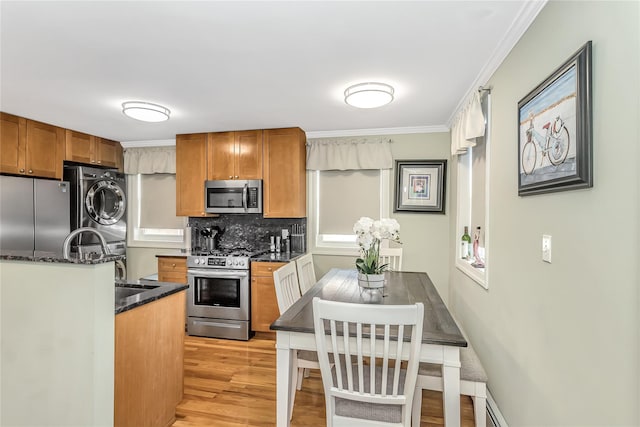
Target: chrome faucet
(67, 241)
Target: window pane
(157, 202)
(345, 196)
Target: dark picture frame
(555, 149)
(420, 186)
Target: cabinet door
(45, 150)
(108, 152)
(285, 189)
(191, 172)
(221, 154)
(248, 160)
(264, 305)
(79, 147)
(12, 144)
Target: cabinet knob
(21, 170)
(230, 176)
(93, 161)
(269, 268)
(236, 176)
(30, 171)
(99, 161)
(173, 265)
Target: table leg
(451, 386)
(284, 360)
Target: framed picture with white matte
(420, 186)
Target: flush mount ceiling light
(145, 111)
(368, 95)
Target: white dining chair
(287, 293)
(375, 390)
(393, 257)
(473, 383)
(306, 272)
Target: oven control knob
(203, 261)
(241, 263)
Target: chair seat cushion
(370, 411)
(471, 369)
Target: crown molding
(149, 143)
(525, 17)
(377, 131)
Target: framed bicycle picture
(420, 185)
(554, 130)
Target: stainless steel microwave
(233, 196)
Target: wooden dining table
(441, 337)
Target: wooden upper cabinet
(284, 186)
(30, 148)
(235, 155)
(108, 153)
(84, 148)
(13, 132)
(191, 173)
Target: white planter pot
(371, 281)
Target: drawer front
(173, 277)
(169, 264)
(265, 268)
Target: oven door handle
(216, 273)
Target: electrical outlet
(546, 248)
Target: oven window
(217, 292)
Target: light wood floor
(233, 383)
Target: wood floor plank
(233, 383)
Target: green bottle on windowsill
(465, 244)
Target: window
(473, 196)
(152, 211)
(337, 200)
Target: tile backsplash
(246, 231)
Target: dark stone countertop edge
(58, 258)
(157, 291)
(275, 257)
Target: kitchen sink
(123, 291)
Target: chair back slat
(306, 272)
(286, 283)
(392, 257)
(373, 373)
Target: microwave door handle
(245, 196)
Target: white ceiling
(248, 65)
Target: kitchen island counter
(55, 257)
(151, 291)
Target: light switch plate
(546, 248)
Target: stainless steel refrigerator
(34, 216)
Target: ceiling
(249, 65)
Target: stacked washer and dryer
(99, 200)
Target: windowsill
(478, 275)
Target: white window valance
(349, 153)
(148, 160)
(468, 125)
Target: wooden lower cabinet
(264, 304)
(172, 269)
(149, 363)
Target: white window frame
(464, 197)
(137, 236)
(337, 244)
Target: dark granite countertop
(277, 257)
(151, 291)
(54, 258)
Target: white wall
(560, 341)
(424, 236)
(142, 262)
(57, 341)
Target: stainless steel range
(218, 298)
